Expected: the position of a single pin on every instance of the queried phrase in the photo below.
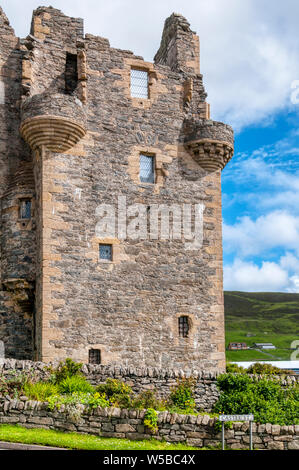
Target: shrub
(266, 399)
(39, 391)
(265, 369)
(75, 384)
(74, 403)
(182, 395)
(13, 385)
(232, 382)
(234, 368)
(151, 420)
(148, 399)
(65, 369)
(117, 392)
(93, 400)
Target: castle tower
(120, 168)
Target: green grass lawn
(76, 441)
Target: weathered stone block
(275, 430)
(124, 428)
(294, 445)
(195, 442)
(275, 445)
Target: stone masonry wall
(127, 308)
(197, 431)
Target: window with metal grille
(147, 169)
(94, 356)
(184, 327)
(25, 209)
(139, 83)
(106, 252)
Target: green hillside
(261, 317)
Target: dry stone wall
(197, 431)
(140, 379)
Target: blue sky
(249, 59)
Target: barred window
(147, 169)
(94, 356)
(25, 209)
(106, 252)
(139, 84)
(184, 327)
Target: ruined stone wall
(128, 308)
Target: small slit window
(71, 73)
(147, 169)
(184, 327)
(105, 252)
(94, 356)
(25, 209)
(139, 84)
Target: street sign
(248, 418)
(236, 418)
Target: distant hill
(261, 317)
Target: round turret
(57, 122)
(211, 143)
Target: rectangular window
(25, 209)
(106, 252)
(139, 84)
(147, 169)
(94, 356)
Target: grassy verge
(76, 441)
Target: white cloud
(293, 285)
(248, 277)
(249, 48)
(253, 237)
(271, 178)
(290, 262)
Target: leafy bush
(234, 368)
(182, 395)
(75, 384)
(74, 403)
(65, 369)
(265, 369)
(232, 382)
(117, 392)
(39, 391)
(93, 400)
(13, 385)
(148, 399)
(266, 399)
(151, 420)
(257, 368)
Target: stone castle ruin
(82, 127)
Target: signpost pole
(224, 418)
